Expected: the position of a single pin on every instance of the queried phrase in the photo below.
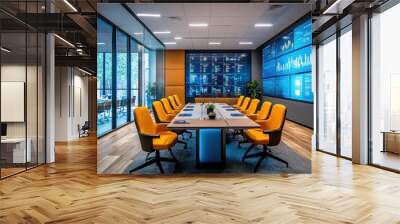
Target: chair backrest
(144, 125)
(265, 110)
(253, 106)
(275, 121)
(173, 103)
(159, 113)
(239, 101)
(245, 104)
(178, 101)
(167, 106)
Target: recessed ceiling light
(214, 43)
(198, 24)
(70, 5)
(169, 43)
(79, 50)
(245, 43)
(155, 15)
(263, 25)
(178, 38)
(5, 50)
(162, 32)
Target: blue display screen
(287, 64)
(214, 74)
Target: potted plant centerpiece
(210, 111)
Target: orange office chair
(269, 134)
(239, 102)
(250, 110)
(259, 117)
(244, 105)
(263, 113)
(153, 138)
(173, 103)
(168, 108)
(163, 118)
(178, 101)
(252, 107)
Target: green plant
(253, 89)
(210, 107)
(151, 90)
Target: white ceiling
(228, 23)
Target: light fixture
(263, 25)
(245, 43)
(70, 5)
(79, 50)
(65, 41)
(138, 33)
(84, 71)
(149, 15)
(5, 50)
(214, 43)
(169, 43)
(178, 38)
(162, 32)
(198, 24)
(326, 11)
(101, 43)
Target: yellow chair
(263, 113)
(252, 107)
(173, 103)
(244, 105)
(269, 134)
(239, 102)
(167, 107)
(162, 117)
(178, 101)
(153, 138)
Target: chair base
(157, 159)
(263, 154)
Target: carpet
(234, 164)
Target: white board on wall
(12, 101)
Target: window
(385, 89)
(327, 95)
(104, 77)
(122, 78)
(126, 74)
(135, 51)
(346, 93)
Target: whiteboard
(12, 101)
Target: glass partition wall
(385, 89)
(128, 73)
(334, 106)
(22, 76)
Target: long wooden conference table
(210, 134)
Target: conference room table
(211, 134)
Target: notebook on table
(185, 115)
(237, 115)
(181, 122)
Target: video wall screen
(217, 74)
(287, 64)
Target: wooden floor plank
(70, 191)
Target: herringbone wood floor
(69, 191)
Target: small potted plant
(210, 111)
(210, 108)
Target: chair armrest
(151, 135)
(271, 131)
